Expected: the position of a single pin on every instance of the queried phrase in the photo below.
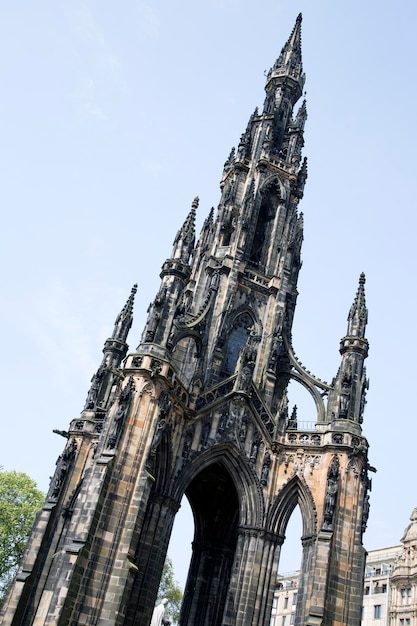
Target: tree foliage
(19, 502)
(170, 589)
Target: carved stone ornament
(137, 361)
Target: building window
(272, 622)
(384, 588)
(286, 602)
(367, 590)
(406, 595)
(284, 619)
(274, 603)
(294, 599)
(377, 611)
(292, 617)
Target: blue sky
(115, 116)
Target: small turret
(348, 397)
(114, 350)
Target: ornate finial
(195, 202)
(358, 314)
(124, 319)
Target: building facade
(200, 409)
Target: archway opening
(287, 587)
(180, 544)
(214, 503)
(305, 413)
(291, 550)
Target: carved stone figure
(94, 389)
(188, 440)
(266, 466)
(159, 614)
(63, 465)
(255, 448)
(331, 494)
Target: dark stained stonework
(200, 410)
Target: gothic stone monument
(200, 410)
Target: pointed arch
(250, 496)
(294, 492)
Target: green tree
(19, 501)
(170, 589)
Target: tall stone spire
(347, 398)
(358, 314)
(290, 59)
(125, 318)
(185, 238)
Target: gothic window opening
(262, 238)
(238, 337)
(185, 359)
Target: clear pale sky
(115, 115)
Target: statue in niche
(266, 466)
(365, 513)
(275, 350)
(205, 432)
(188, 441)
(245, 377)
(120, 415)
(152, 324)
(156, 441)
(94, 389)
(63, 465)
(154, 316)
(221, 426)
(365, 387)
(344, 401)
(331, 494)
(246, 361)
(243, 428)
(254, 448)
